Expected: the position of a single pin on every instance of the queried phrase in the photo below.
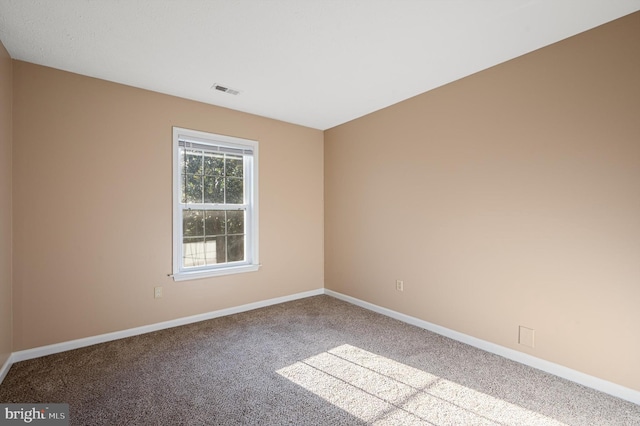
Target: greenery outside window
(215, 226)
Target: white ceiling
(318, 63)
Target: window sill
(195, 275)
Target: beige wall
(92, 207)
(6, 82)
(511, 197)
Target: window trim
(251, 200)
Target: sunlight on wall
(379, 390)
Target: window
(215, 219)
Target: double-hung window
(215, 218)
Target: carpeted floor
(314, 361)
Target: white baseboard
(5, 367)
(526, 359)
(88, 341)
(596, 383)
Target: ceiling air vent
(225, 89)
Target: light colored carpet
(315, 361)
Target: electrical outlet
(399, 285)
(157, 292)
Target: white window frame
(251, 262)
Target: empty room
(320, 212)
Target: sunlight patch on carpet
(381, 391)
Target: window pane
(192, 162)
(235, 222)
(213, 189)
(211, 248)
(213, 236)
(234, 191)
(213, 164)
(193, 188)
(214, 222)
(234, 166)
(193, 252)
(235, 248)
(192, 225)
(219, 254)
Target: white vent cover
(225, 89)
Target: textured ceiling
(318, 63)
